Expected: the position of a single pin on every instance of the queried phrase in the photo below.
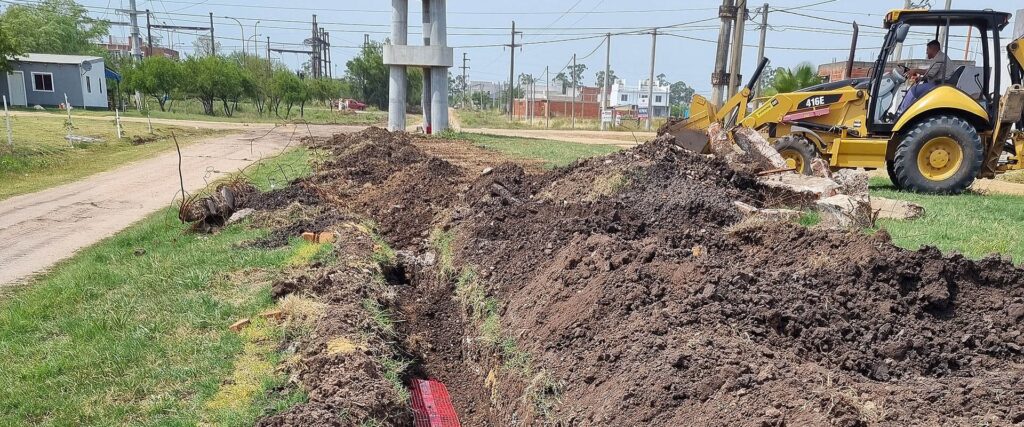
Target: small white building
(625, 96)
(49, 80)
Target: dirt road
(42, 228)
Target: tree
(202, 45)
(155, 76)
(564, 79)
(600, 78)
(8, 50)
(662, 79)
(680, 92)
(52, 26)
(369, 76)
(793, 79)
(577, 72)
(213, 78)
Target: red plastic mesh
(432, 406)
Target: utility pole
(727, 12)
(136, 38)
(898, 50)
(605, 102)
(149, 34)
(213, 41)
(760, 45)
(574, 83)
(328, 51)
(270, 64)
(512, 70)
(736, 62)
(314, 61)
(533, 99)
(944, 31)
(464, 85)
(547, 97)
(650, 83)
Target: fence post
(117, 122)
(7, 122)
(150, 120)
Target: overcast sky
(819, 34)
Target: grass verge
(133, 330)
(43, 158)
(246, 113)
(973, 224)
(552, 153)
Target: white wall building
(626, 96)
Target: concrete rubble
(841, 197)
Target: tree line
(220, 83)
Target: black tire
(798, 145)
(907, 170)
(890, 167)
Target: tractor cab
(937, 74)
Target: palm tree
(793, 79)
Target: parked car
(350, 104)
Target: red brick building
(539, 101)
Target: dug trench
(628, 289)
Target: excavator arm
(690, 133)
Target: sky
(817, 31)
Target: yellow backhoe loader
(961, 130)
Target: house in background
(625, 97)
(44, 79)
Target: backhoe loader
(961, 130)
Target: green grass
(247, 113)
(493, 119)
(973, 224)
(113, 338)
(43, 158)
(552, 153)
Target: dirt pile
(345, 361)
(629, 290)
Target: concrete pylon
(397, 91)
(437, 57)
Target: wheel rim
(794, 160)
(940, 158)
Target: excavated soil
(338, 361)
(629, 290)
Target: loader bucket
(691, 133)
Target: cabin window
(42, 82)
(88, 84)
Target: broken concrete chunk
(821, 187)
(844, 211)
(853, 182)
(768, 214)
(758, 146)
(895, 209)
(819, 168)
(240, 215)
